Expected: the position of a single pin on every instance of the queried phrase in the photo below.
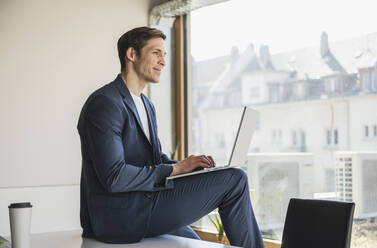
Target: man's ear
(131, 54)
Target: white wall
(363, 111)
(53, 54)
(313, 118)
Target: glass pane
(309, 68)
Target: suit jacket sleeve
(166, 160)
(103, 133)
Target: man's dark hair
(136, 38)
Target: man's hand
(191, 163)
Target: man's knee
(240, 175)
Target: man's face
(151, 61)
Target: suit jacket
(121, 169)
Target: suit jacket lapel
(127, 98)
(152, 129)
(151, 120)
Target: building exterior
(317, 100)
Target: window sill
(212, 237)
(331, 147)
(369, 139)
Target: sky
(282, 25)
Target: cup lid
(20, 205)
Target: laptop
(241, 144)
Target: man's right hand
(191, 163)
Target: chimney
(324, 45)
(327, 55)
(265, 57)
(234, 55)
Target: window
(335, 136)
(331, 85)
(366, 131)
(274, 93)
(328, 137)
(303, 141)
(300, 90)
(332, 137)
(319, 118)
(366, 82)
(374, 77)
(294, 138)
(276, 136)
(375, 130)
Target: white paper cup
(20, 219)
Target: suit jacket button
(148, 195)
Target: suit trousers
(196, 196)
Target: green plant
(217, 223)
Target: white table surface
(72, 239)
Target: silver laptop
(241, 144)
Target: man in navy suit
(124, 192)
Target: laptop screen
(244, 134)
